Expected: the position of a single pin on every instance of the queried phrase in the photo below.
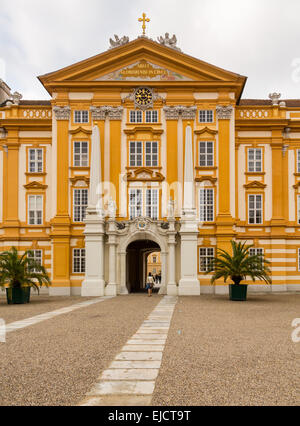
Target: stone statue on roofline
(118, 41)
(169, 42)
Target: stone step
(123, 387)
(130, 374)
(139, 356)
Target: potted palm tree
(19, 273)
(237, 266)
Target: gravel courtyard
(217, 352)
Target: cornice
(144, 174)
(255, 184)
(80, 130)
(137, 129)
(35, 185)
(205, 130)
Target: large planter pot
(18, 296)
(238, 292)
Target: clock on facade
(143, 96)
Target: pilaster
(277, 221)
(61, 222)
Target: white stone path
(130, 378)
(39, 318)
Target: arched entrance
(136, 263)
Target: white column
(189, 283)
(172, 287)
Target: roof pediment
(141, 60)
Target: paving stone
(143, 348)
(118, 400)
(144, 336)
(146, 342)
(130, 374)
(139, 356)
(135, 364)
(123, 387)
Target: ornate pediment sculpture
(169, 42)
(118, 41)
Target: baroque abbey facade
(145, 149)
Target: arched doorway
(136, 263)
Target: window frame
(36, 161)
(81, 153)
(82, 207)
(82, 260)
(207, 206)
(206, 256)
(206, 154)
(151, 205)
(36, 217)
(255, 161)
(36, 258)
(206, 112)
(135, 205)
(255, 209)
(81, 121)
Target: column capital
(62, 113)
(113, 113)
(186, 112)
(224, 112)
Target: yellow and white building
(142, 149)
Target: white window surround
(35, 209)
(298, 209)
(143, 202)
(80, 203)
(206, 153)
(80, 154)
(206, 255)
(254, 160)
(151, 116)
(206, 204)
(143, 153)
(255, 209)
(35, 160)
(298, 160)
(78, 261)
(138, 116)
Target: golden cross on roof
(144, 20)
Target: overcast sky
(256, 38)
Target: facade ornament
(224, 112)
(115, 113)
(187, 113)
(16, 97)
(118, 41)
(100, 113)
(168, 42)
(62, 113)
(275, 98)
(165, 225)
(3, 133)
(132, 98)
(112, 208)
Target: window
(299, 259)
(81, 154)
(255, 209)
(151, 154)
(81, 116)
(35, 209)
(154, 259)
(78, 261)
(298, 160)
(154, 271)
(136, 154)
(298, 208)
(36, 255)
(136, 116)
(206, 205)
(152, 116)
(135, 203)
(206, 116)
(36, 160)
(80, 204)
(143, 154)
(206, 154)
(206, 256)
(152, 203)
(254, 160)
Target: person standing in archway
(149, 284)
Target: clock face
(143, 96)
